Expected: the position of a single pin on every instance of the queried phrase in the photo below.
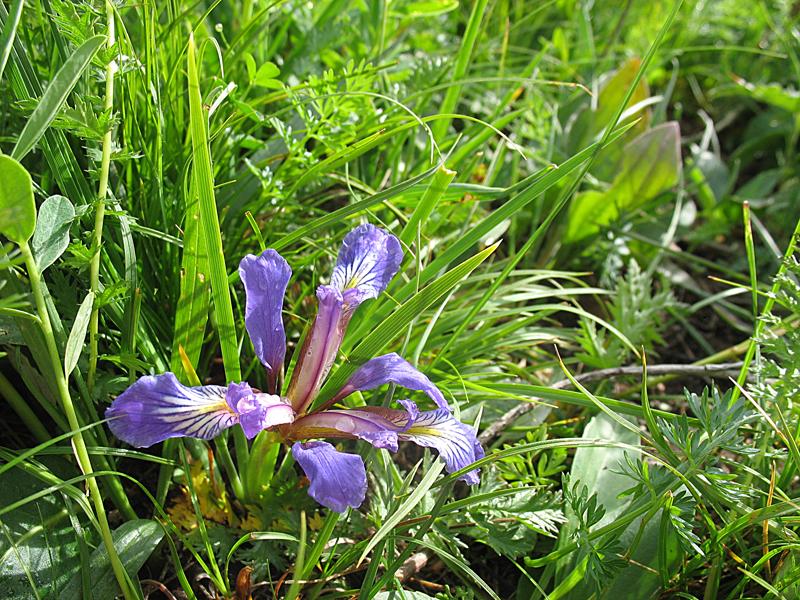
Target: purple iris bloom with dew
(158, 407)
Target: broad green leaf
(597, 467)
(77, 336)
(8, 34)
(649, 165)
(134, 541)
(38, 546)
(17, 208)
(55, 95)
(51, 237)
(591, 122)
(266, 76)
(587, 211)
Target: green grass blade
(436, 189)
(406, 507)
(55, 95)
(462, 64)
(341, 214)
(388, 329)
(209, 222)
(192, 311)
(9, 32)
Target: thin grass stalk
(569, 191)
(209, 221)
(760, 323)
(99, 216)
(24, 412)
(78, 443)
(462, 64)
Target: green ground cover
(599, 208)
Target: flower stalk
(100, 211)
(78, 442)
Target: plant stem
(100, 212)
(78, 443)
(760, 322)
(23, 411)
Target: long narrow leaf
(209, 222)
(388, 329)
(78, 335)
(56, 95)
(9, 32)
(406, 507)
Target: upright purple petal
(367, 261)
(338, 479)
(265, 278)
(319, 348)
(157, 407)
(391, 368)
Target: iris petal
(158, 407)
(319, 348)
(455, 442)
(391, 368)
(265, 278)
(338, 479)
(257, 411)
(367, 261)
(350, 424)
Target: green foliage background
(581, 187)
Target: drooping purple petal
(455, 442)
(257, 411)
(158, 407)
(367, 261)
(319, 348)
(265, 278)
(338, 479)
(391, 368)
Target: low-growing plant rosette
(158, 407)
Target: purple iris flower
(158, 407)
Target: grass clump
(597, 207)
